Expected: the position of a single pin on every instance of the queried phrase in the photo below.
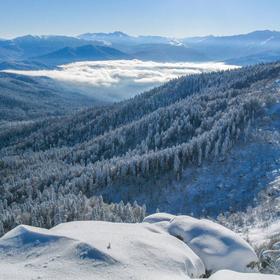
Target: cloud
(114, 72)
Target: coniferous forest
(111, 162)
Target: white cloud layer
(114, 72)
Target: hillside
(140, 140)
(24, 98)
(157, 148)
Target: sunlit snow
(162, 247)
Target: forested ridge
(126, 146)
(93, 122)
(25, 98)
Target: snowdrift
(162, 247)
(218, 247)
(232, 275)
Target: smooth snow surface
(232, 275)
(218, 247)
(102, 250)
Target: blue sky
(176, 18)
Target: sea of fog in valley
(115, 80)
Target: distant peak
(264, 31)
(120, 34)
(27, 37)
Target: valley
(147, 153)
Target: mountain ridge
(82, 53)
(206, 48)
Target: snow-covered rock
(102, 250)
(218, 247)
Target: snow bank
(106, 251)
(232, 275)
(26, 235)
(129, 243)
(218, 247)
(27, 238)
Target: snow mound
(102, 250)
(25, 238)
(162, 247)
(129, 243)
(24, 235)
(218, 247)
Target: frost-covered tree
(52, 169)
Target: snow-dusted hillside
(204, 144)
(162, 247)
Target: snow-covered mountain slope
(178, 148)
(24, 98)
(102, 250)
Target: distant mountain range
(121, 40)
(167, 52)
(30, 46)
(82, 53)
(251, 48)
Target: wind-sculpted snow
(218, 247)
(101, 250)
(24, 235)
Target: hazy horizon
(136, 35)
(176, 18)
